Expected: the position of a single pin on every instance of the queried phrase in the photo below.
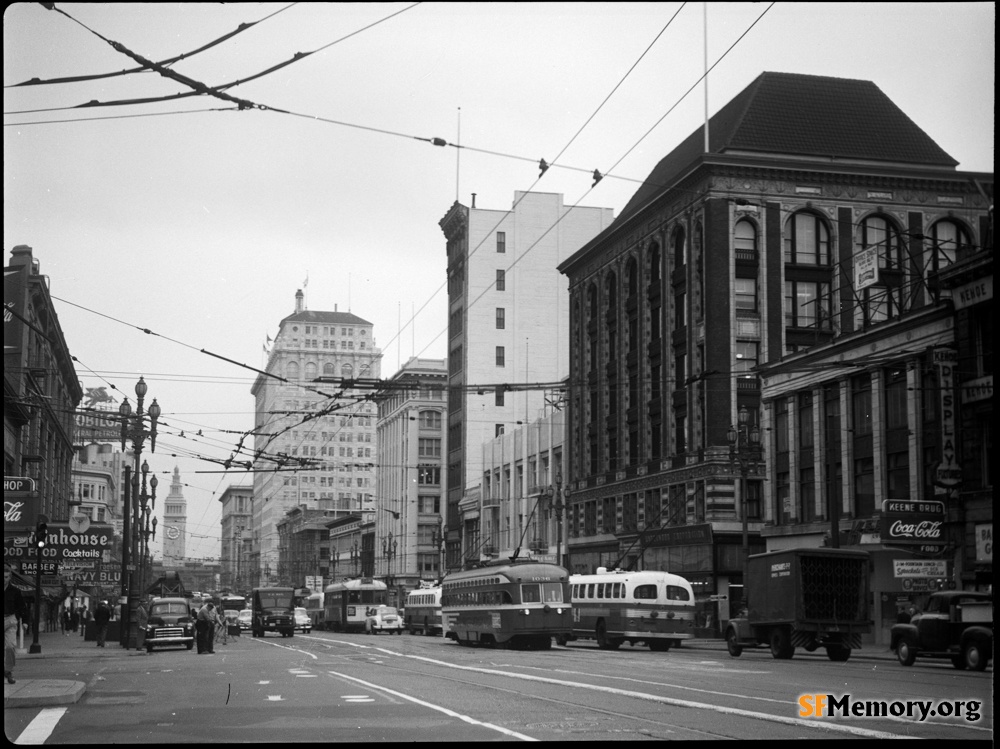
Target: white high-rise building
(508, 332)
(315, 444)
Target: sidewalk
(35, 692)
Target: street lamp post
(355, 556)
(745, 449)
(133, 428)
(389, 545)
(141, 506)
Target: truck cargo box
(816, 586)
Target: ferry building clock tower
(174, 522)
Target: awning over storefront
(27, 587)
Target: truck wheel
(905, 652)
(838, 652)
(733, 645)
(781, 647)
(974, 656)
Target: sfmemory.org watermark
(845, 706)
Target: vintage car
(383, 619)
(955, 624)
(245, 619)
(302, 621)
(169, 624)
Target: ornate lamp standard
(355, 556)
(141, 507)
(745, 450)
(557, 504)
(133, 427)
(389, 551)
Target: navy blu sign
(912, 522)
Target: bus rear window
(645, 592)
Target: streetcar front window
(552, 592)
(531, 593)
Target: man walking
(101, 618)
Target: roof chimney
(298, 301)
(473, 200)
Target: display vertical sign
(948, 473)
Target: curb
(42, 693)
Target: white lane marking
(275, 698)
(446, 711)
(42, 726)
(305, 676)
(285, 647)
(802, 722)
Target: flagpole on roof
(705, 18)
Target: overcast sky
(200, 222)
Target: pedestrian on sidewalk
(101, 618)
(13, 613)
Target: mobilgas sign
(62, 544)
(912, 523)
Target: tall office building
(315, 444)
(508, 331)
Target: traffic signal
(41, 535)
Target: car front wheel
(906, 653)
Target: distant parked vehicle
(245, 619)
(302, 621)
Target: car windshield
(300, 612)
(169, 609)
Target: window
(807, 240)
(498, 397)
(501, 318)
(501, 280)
(430, 420)
(745, 241)
(429, 447)
(946, 240)
(745, 293)
(497, 430)
(429, 475)
(501, 356)
(746, 356)
(807, 305)
(501, 241)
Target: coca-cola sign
(20, 503)
(909, 522)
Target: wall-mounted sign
(865, 268)
(984, 542)
(20, 503)
(919, 568)
(948, 473)
(912, 523)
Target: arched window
(292, 370)
(347, 371)
(632, 274)
(745, 241)
(884, 301)
(807, 240)
(311, 371)
(328, 370)
(680, 253)
(946, 240)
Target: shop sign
(947, 473)
(63, 544)
(919, 568)
(979, 389)
(912, 523)
(984, 542)
(681, 535)
(20, 503)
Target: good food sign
(913, 523)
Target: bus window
(647, 592)
(590, 590)
(600, 590)
(618, 591)
(530, 593)
(677, 593)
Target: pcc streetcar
(516, 604)
(423, 611)
(649, 606)
(346, 604)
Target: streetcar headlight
(527, 611)
(559, 611)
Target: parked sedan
(245, 619)
(383, 619)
